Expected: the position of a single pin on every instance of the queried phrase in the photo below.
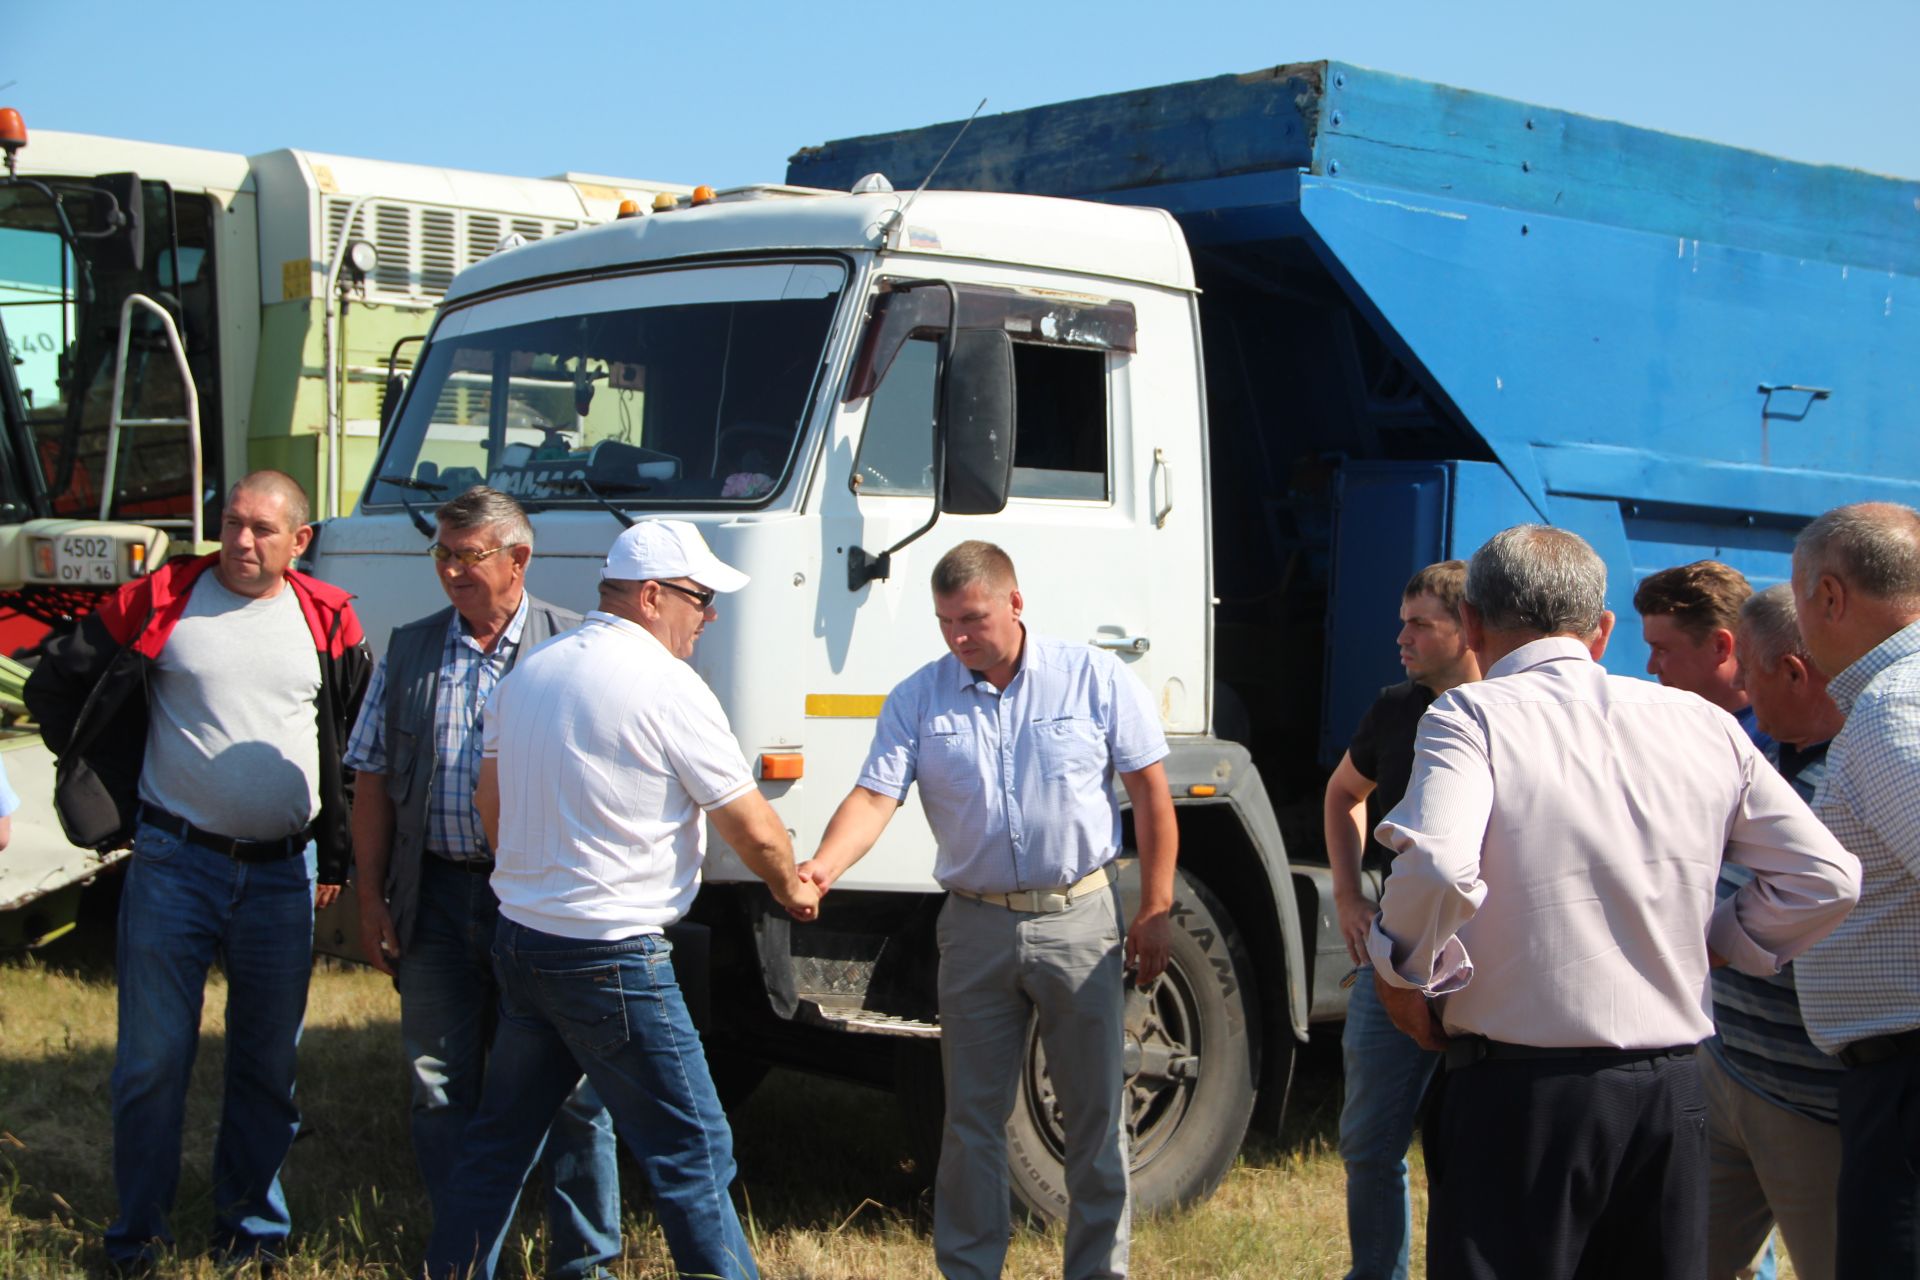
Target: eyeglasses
(702, 596)
(467, 557)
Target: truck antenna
(900, 216)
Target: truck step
(864, 1021)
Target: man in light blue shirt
(1014, 740)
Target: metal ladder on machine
(196, 520)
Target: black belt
(230, 846)
(475, 865)
(1877, 1049)
(1465, 1051)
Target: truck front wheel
(1192, 1062)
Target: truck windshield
(668, 387)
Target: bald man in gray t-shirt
(231, 745)
(234, 678)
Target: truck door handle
(1162, 472)
(1122, 644)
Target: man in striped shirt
(1856, 581)
(1772, 1098)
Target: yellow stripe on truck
(845, 706)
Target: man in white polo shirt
(602, 750)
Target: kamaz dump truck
(1219, 364)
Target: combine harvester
(178, 317)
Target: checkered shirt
(1864, 979)
(467, 677)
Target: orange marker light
(43, 557)
(665, 201)
(703, 194)
(629, 209)
(1202, 789)
(783, 766)
(13, 136)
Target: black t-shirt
(1382, 750)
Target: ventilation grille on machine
(422, 247)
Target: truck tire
(1193, 1062)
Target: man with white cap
(602, 750)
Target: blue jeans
(448, 1001)
(182, 908)
(1386, 1075)
(614, 1011)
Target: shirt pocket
(947, 757)
(403, 752)
(1071, 747)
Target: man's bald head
(267, 480)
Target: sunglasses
(467, 557)
(702, 596)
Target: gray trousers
(997, 968)
(1766, 1164)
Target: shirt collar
(1536, 653)
(968, 678)
(627, 627)
(457, 628)
(1852, 682)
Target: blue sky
(723, 92)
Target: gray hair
(1536, 578)
(1873, 547)
(1770, 628)
(484, 508)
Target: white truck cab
(838, 388)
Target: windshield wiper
(611, 486)
(413, 512)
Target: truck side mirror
(977, 421)
(124, 247)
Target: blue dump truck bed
(1431, 313)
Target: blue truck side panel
(1333, 119)
(1552, 334)
(1393, 519)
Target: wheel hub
(1161, 1059)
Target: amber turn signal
(783, 766)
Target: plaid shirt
(1864, 979)
(467, 677)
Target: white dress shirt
(608, 749)
(1557, 849)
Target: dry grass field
(830, 1195)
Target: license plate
(84, 558)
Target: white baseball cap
(657, 549)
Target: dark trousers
(1568, 1168)
(1878, 1234)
